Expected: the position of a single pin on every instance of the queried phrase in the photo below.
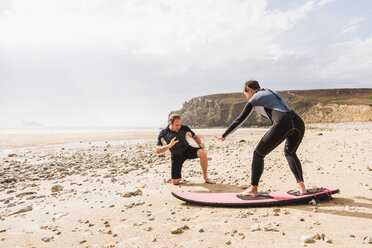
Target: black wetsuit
(287, 125)
(181, 151)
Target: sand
(118, 194)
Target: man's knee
(202, 153)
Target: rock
(255, 228)
(10, 155)
(132, 193)
(10, 205)
(317, 236)
(307, 239)
(46, 238)
(23, 210)
(228, 242)
(328, 240)
(7, 199)
(276, 210)
(56, 188)
(180, 229)
(25, 193)
(177, 231)
(367, 240)
(201, 230)
(58, 216)
(10, 180)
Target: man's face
(175, 126)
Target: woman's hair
(253, 84)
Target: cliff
(314, 106)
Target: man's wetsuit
(181, 150)
(286, 125)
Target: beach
(111, 189)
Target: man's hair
(253, 84)
(174, 117)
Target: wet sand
(118, 194)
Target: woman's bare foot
(301, 187)
(209, 181)
(253, 191)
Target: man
(173, 138)
(287, 125)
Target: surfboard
(274, 198)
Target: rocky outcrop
(314, 106)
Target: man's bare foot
(253, 191)
(209, 181)
(177, 181)
(301, 188)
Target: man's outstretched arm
(198, 141)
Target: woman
(287, 125)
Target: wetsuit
(287, 125)
(181, 151)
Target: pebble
(56, 188)
(132, 193)
(255, 228)
(25, 193)
(23, 210)
(58, 216)
(367, 240)
(177, 231)
(307, 239)
(7, 199)
(10, 205)
(46, 238)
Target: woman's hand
(220, 138)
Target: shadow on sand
(323, 205)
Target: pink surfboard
(273, 198)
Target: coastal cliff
(314, 106)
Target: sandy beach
(111, 189)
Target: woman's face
(249, 94)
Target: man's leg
(177, 162)
(202, 155)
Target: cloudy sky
(105, 63)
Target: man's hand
(201, 145)
(220, 138)
(173, 142)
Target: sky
(128, 63)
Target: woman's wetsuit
(287, 125)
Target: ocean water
(112, 143)
(44, 130)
